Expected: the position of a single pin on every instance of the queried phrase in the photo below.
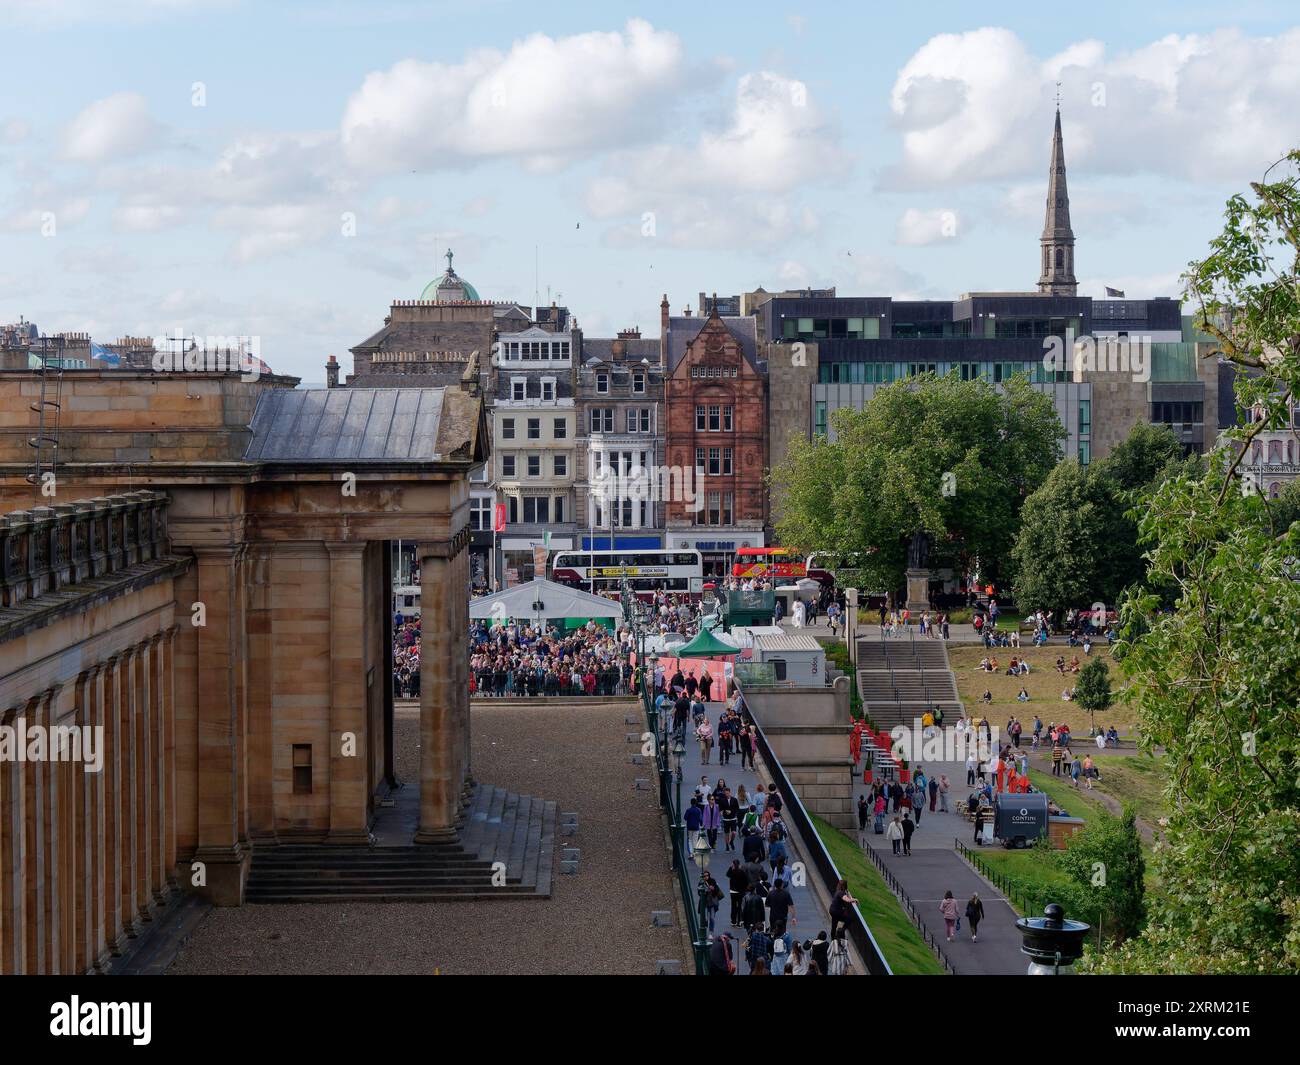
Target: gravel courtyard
(597, 921)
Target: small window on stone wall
(302, 768)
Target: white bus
(680, 572)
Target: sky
(285, 170)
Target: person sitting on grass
(1060, 664)
(987, 697)
(1074, 664)
(1023, 697)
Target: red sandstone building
(715, 418)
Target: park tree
(1106, 866)
(950, 458)
(1215, 676)
(1093, 692)
(1077, 544)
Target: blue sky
(629, 151)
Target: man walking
(908, 829)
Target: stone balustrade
(46, 549)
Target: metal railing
(905, 901)
(868, 949)
(1022, 899)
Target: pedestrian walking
(974, 915)
(908, 828)
(895, 835)
(944, 785)
(948, 907)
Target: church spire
(1057, 278)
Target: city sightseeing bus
(677, 571)
(776, 562)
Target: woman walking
(704, 733)
(894, 833)
(974, 915)
(948, 907)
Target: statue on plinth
(918, 552)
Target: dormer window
(602, 383)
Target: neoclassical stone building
(209, 583)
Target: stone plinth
(918, 590)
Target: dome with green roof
(450, 287)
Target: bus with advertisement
(776, 563)
(676, 571)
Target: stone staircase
(499, 826)
(900, 679)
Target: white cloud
(545, 100)
(46, 206)
(112, 128)
(145, 218)
(977, 106)
(917, 227)
(14, 131)
(731, 185)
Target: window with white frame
(602, 383)
(715, 461)
(561, 465)
(548, 389)
(518, 388)
(726, 461)
(507, 428)
(560, 428)
(700, 423)
(638, 382)
(534, 465)
(602, 419)
(480, 513)
(715, 418)
(726, 419)
(507, 466)
(534, 428)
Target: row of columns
(86, 857)
(445, 778)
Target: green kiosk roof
(705, 645)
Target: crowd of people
(406, 657)
(748, 823)
(519, 660)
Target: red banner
(499, 518)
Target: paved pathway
(934, 867)
(811, 915)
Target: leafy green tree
(1077, 543)
(1054, 559)
(1105, 863)
(1093, 691)
(953, 458)
(1216, 677)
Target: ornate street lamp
(701, 858)
(1052, 943)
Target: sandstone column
(50, 854)
(348, 806)
(34, 847)
(111, 920)
(13, 883)
(83, 825)
(128, 770)
(144, 773)
(219, 690)
(168, 791)
(441, 745)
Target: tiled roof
(359, 424)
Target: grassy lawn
(1043, 684)
(1135, 779)
(901, 943)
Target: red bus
(774, 562)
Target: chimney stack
(332, 373)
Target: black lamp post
(1052, 943)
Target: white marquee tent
(538, 601)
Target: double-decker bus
(776, 562)
(677, 571)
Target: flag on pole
(1115, 293)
